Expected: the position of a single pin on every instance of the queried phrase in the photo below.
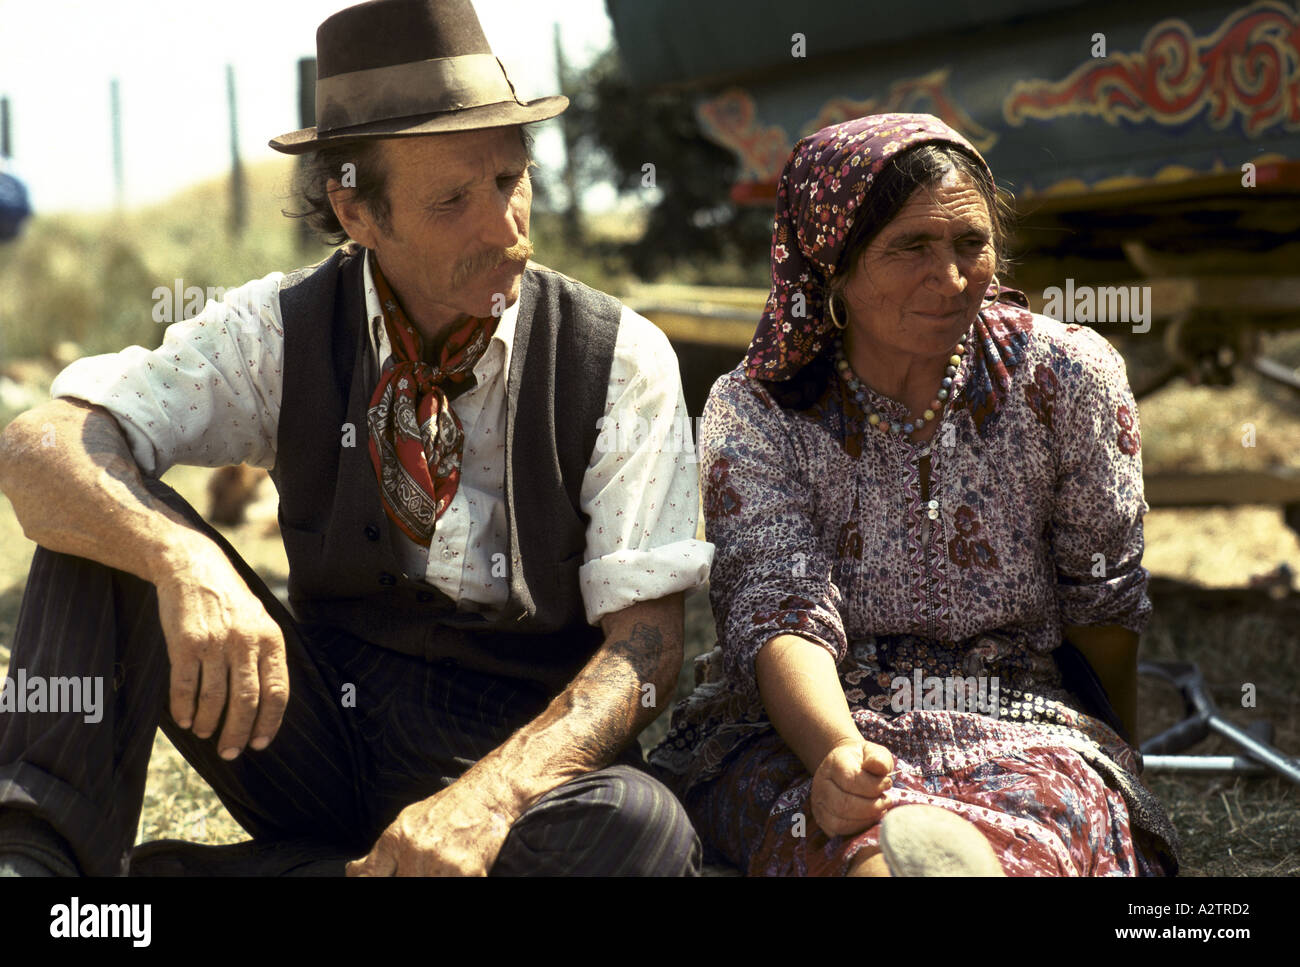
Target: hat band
(404, 90)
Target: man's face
(457, 238)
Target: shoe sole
(919, 840)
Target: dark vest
(343, 570)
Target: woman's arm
(1097, 524)
(776, 607)
(803, 696)
(805, 701)
(771, 574)
(1112, 653)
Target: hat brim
(503, 114)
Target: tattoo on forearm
(588, 724)
(607, 695)
(641, 653)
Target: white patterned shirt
(210, 396)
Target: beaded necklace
(893, 427)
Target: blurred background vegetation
(89, 278)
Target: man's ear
(352, 214)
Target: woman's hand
(849, 788)
(803, 696)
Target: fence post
(238, 187)
(306, 118)
(119, 178)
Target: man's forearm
(75, 488)
(603, 709)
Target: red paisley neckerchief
(416, 440)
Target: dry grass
(1231, 825)
(1192, 428)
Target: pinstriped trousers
(335, 775)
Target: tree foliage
(619, 129)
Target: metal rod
(1204, 763)
(1272, 369)
(1258, 750)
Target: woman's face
(919, 284)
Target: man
(439, 702)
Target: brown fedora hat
(389, 68)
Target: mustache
(466, 269)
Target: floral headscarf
(821, 189)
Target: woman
(918, 491)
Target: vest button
(387, 580)
(372, 532)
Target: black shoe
(20, 864)
(174, 857)
(29, 846)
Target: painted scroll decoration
(731, 120)
(927, 94)
(1249, 68)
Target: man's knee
(618, 821)
(646, 813)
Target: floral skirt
(1037, 795)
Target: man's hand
(460, 831)
(849, 788)
(219, 634)
(453, 833)
(86, 497)
(805, 700)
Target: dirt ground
(1202, 562)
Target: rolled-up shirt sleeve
(771, 575)
(1097, 521)
(641, 491)
(208, 396)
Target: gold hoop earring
(834, 321)
(996, 295)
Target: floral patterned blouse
(1033, 523)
